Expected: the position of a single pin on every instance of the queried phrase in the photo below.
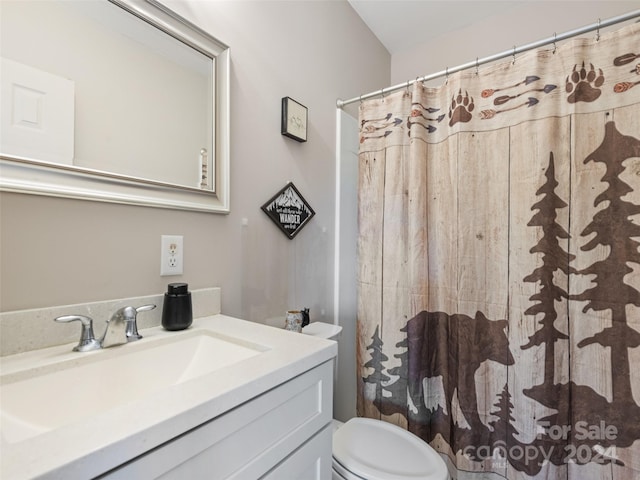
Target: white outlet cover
(171, 255)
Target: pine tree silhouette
(554, 258)
(397, 402)
(614, 229)
(506, 435)
(377, 359)
(401, 371)
(503, 427)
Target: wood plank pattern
(499, 277)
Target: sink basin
(79, 386)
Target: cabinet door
(312, 461)
(248, 441)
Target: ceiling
(402, 24)
(399, 24)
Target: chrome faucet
(130, 317)
(121, 328)
(115, 332)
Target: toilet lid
(378, 450)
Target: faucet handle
(131, 315)
(87, 341)
(145, 308)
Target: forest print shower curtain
(499, 263)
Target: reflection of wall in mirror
(37, 114)
(136, 112)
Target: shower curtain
(499, 263)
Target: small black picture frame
(289, 210)
(294, 120)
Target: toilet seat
(377, 450)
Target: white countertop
(92, 447)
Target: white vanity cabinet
(225, 398)
(284, 433)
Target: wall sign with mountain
(289, 210)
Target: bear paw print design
(461, 108)
(584, 85)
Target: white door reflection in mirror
(37, 113)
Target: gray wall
(57, 251)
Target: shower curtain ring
(555, 47)
(477, 66)
(598, 32)
(514, 55)
(446, 75)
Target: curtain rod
(507, 53)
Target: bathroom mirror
(113, 100)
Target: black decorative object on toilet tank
(177, 313)
(305, 317)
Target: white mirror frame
(23, 175)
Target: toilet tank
(323, 330)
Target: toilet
(368, 449)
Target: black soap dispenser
(177, 312)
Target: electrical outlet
(171, 255)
